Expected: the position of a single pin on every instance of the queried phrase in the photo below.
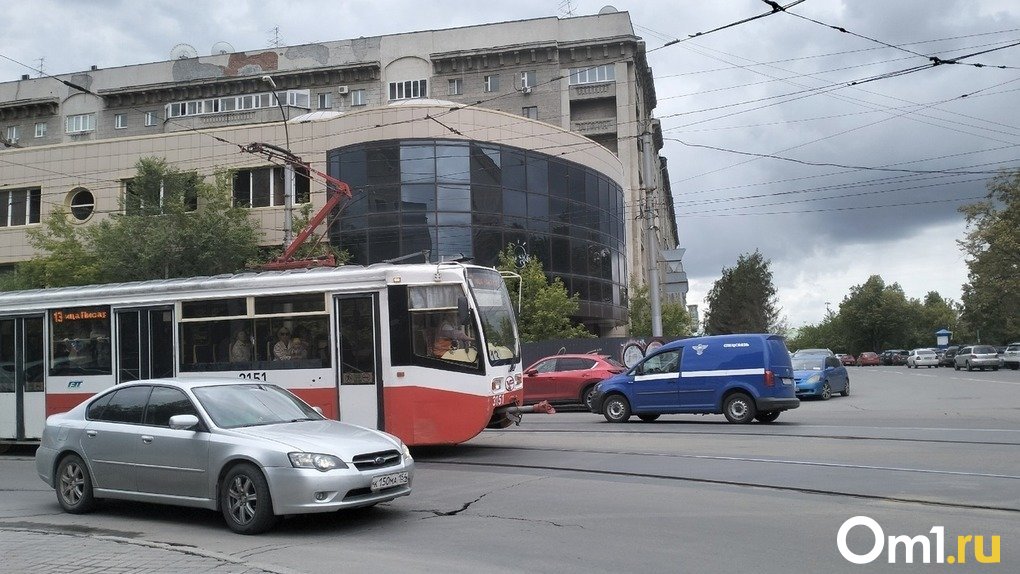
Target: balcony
(593, 127)
(593, 91)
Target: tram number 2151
(255, 376)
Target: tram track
(735, 483)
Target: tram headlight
(320, 462)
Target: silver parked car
(977, 357)
(252, 450)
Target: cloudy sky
(837, 154)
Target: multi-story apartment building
(458, 142)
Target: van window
(668, 362)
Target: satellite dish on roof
(608, 9)
(183, 52)
(222, 48)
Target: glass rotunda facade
(457, 198)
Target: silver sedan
(252, 450)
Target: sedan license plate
(389, 480)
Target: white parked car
(922, 358)
(1011, 356)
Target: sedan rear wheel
(846, 390)
(245, 501)
(616, 409)
(74, 485)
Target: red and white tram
(428, 352)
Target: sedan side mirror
(531, 372)
(183, 422)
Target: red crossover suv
(567, 378)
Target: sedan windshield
(232, 406)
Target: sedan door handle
(146, 439)
(91, 433)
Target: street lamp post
(288, 171)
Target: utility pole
(288, 171)
(651, 241)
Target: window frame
(358, 98)
(455, 87)
(408, 90)
(40, 129)
(120, 121)
(604, 73)
(151, 119)
(80, 123)
(490, 83)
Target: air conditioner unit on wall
(343, 90)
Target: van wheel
(616, 409)
(648, 418)
(739, 408)
(767, 416)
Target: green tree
(676, 322)
(993, 246)
(876, 316)
(173, 225)
(744, 299)
(546, 307)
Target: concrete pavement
(27, 551)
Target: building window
(264, 187)
(40, 130)
(593, 74)
(408, 90)
(19, 207)
(325, 101)
(80, 123)
(358, 97)
(82, 204)
(150, 118)
(13, 134)
(120, 121)
(491, 83)
(528, 79)
(530, 112)
(150, 201)
(456, 86)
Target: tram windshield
(496, 316)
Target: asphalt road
(911, 450)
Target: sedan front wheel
(245, 500)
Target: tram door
(22, 391)
(358, 360)
(145, 343)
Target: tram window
(246, 344)
(290, 304)
(214, 308)
(7, 357)
(437, 336)
(80, 342)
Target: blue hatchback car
(820, 377)
(745, 377)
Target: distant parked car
(567, 378)
(894, 357)
(977, 357)
(922, 358)
(868, 359)
(820, 376)
(846, 359)
(1011, 356)
(946, 359)
(822, 352)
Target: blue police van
(744, 377)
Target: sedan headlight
(320, 462)
(405, 451)
(813, 379)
